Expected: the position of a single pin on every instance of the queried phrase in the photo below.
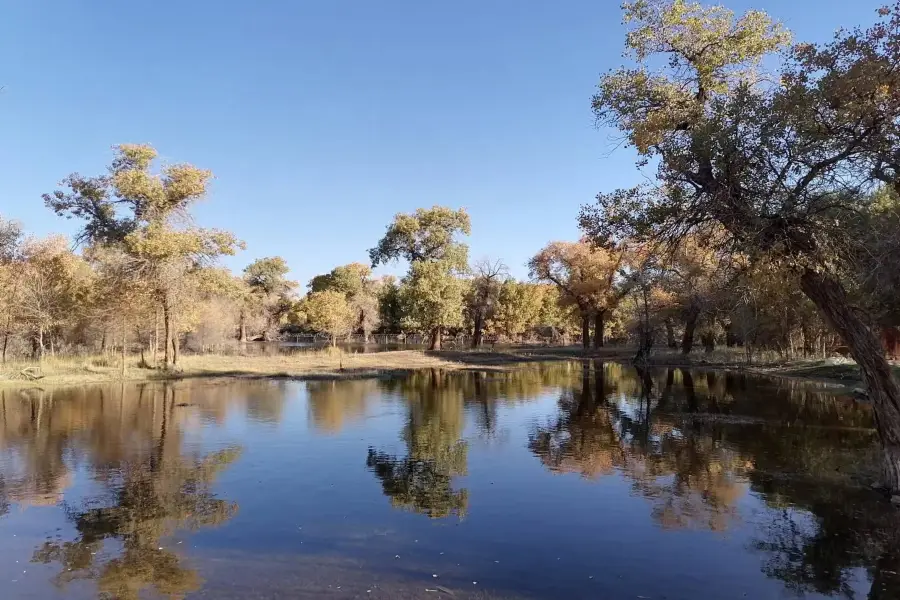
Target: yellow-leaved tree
(145, 213)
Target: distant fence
(417, 339)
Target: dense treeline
(157, 290)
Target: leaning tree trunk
(690, 325)
(831, 299)
(599, 328)
(436, 335)
(585, 330)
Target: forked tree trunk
(585, 330)
(436, 335)
(690, 325)
(599, 328)
(831, 299)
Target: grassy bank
(329, 364)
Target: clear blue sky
(321, 119)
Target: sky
(321, 119)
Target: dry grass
(326, 364)
(336, 364)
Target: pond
(558, 480)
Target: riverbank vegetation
(772, 225)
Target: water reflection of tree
(437, 402)
(692, 443)
(422, 480)
(332, 404)
(129, 439)
(146, 501)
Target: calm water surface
(563, 480)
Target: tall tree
(518, 308)
(356, 283)
(428, 240)
(587, 277)
(779, 168)
(10, 278)
(51, 282)
(329, 311)
(483, 295)
(146, 214)
(270, 293)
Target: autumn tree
(587, 277)
(779, 167)
(146, 214)
(432, 294)
(329, 311)
(270, 294)
(120, 296)
(49, 289)
(432, 289)
(356, 283)
(10, 278)
(390, 306)
(518, 308)
(483, 295)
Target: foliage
(433, 296)
(329, 311)
(427, 234)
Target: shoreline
(332, 366)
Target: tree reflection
(422, 480)
(437, 402)
(694, 443)
(333, 404)
(130, 442)
(147, 501)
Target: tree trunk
(436, 335)
(478, 331)
(175, 350)
(333, 341)
(690, 325)
(831, 299)
(124, 343)
(242, 335)
(155, 335)
(40, 344)
(585, 330)
(599, 328)
(670, 334)
(169, 327)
